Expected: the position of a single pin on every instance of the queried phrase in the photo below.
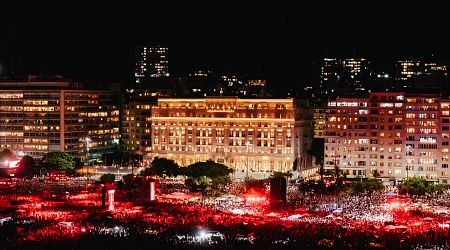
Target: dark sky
(94, 40)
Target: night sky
(94, 41)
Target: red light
(13, 164)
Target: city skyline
(95, 42)
(167, 125)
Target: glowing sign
(111, 199)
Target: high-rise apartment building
(366, 134)
(41, 117)
(253, 136)
(386, 134)
(422, 135)
(444, 132)
(344, 74)
(319, 116)
(136, 121)
(399, 135)
(303, 136)
(420, 73)
(151, 61)
(406, 69)
(346, 140)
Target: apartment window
(444, 165)
(410, 138)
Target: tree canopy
(26, 168)
(107, 178)
(207, 177)
(418, 186)
(199, 184)
(366, 186)
(6, 154)
(162, 167)
(209, 169)
(59, 161)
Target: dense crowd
(332, 222)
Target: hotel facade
(41, 117)
(255, 137)
(399, 135)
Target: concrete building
(253, 136)
(406, 69)
(386, 124)
(136, 121)
(346, 140)
(444, 132)
(399, 135)
(303, 137)
(420, 73)
(319, 116)
(37, 117)
(151, 61)
(343, 74)
(422, 135)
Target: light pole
(336, 174)
(409, 153)
(407, 182)
(87, 140)
(247, 143)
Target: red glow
(397, 201)
(254, 199)
(13, 164)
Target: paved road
(100, 170)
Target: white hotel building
(253, 136)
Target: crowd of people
(321, 222)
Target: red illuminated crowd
(77, 221)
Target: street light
(87, 140)
(248, 143)
(408, 153)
